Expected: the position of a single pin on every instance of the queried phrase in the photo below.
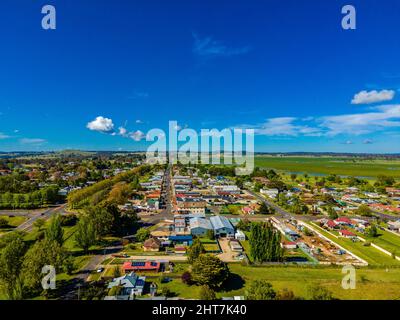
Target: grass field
(330, 165)
(373, 256)
(387, 241)
(371, 283)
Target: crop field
(359, 167)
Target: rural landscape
(121, 229)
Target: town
(122, 229)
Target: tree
(3, 222)
(117, 272)
(11, 258)
(55, 231)
(264, 209)
(364, 210)
(261, 290)
(293, 176)
(209, 270)
(210, 234)
(265, 242)
(372, 231)
(317, 292)
(186, 278)
(45, 252)
(286, 294)
(206, 293)
(142, 234)
(101, 219)
(244, 225)
(195, 250)
(39, 224)
(85, 235)
(332, 213)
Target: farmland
(347, 166)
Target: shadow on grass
(234, 282)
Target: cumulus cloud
(207, 47)
(101, 124)
(122, 131)
(368, 141)
(137, 135)
(367, 97)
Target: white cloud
(32, 141)
(381, 118)
(208, 48)
(139, 121)
(3, 136)
(362, 123)
(122, 131)
(137, 135)
(368, 141)
(367, 97)
(101, 124)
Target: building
(222, 226)
(394, 225)
(347, 234)
(239, 235)
(132, 285)
(151, 244)
(289, 245)
(271, 193)
(200, 226)
(185, 240)
(235, 246)
(130, 266)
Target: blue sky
(284, 68)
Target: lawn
(386, 240)
(373, 256)
(371, 283)
(330, 165)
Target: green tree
(265, 209)
(210, 234)
(195, 250)
(265, 242)
(142, 234)
(11, 258)
(332, 213)
(3, 222)
(364, 210)
(206, 293)
(85, 235)
(316, 292)
(39, 224)
(372, 231)
(45, 252)
(261, 290)
(54, 231)
(209, 270)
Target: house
(331, 224)
(347, 234)
(199, 226)
(185, 240)
(180, 250)
(151, 244)
(180, 224)
(131, 285)
(222, 226)
(289, 245)
(394, 225)
(344, 221)
(239, 235)
(152, 266)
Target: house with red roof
(133, 266)
(331, 224)
(347, 234)
(344, 221)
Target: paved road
(269, 203)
